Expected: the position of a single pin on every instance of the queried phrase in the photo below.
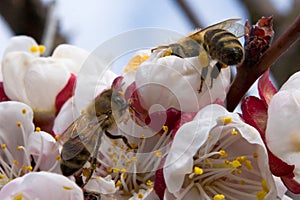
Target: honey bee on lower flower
(82, 139)
(218, 42)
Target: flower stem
(246, 75)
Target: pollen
(18, 124)
(29, 168)
(67, 187)
(219, 197)
(198, 170)
(123, 170)
(140, 196)
(19, 148)
(23, 167)
(109, 170)
(57, 137)
(149, 183)
(34, 49)
(158, 153)
(37, 129)
(3, 146)
(57, 157)
(223, 153)
(18, 197)
(42, 49)
(16, 162)
(116, 170)
(118, 183)
(226, 120)
(255, 155)
(2, 176)
(234, 132)
(165, 128)
(24, 111)
(236, 164)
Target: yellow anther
(57, 157)
(67, 187)
(116, 170)
(219, 197)
(57, 137)
(264, 185)
(29, 168)
(234, 132)
(255, 155)
(149, 183)
(140, 196)
(18, 197)
(37, 129)
(207, 160)
(2, 176)
(133, 145)
(109, 170)
(260, 195)
(16, 162)
(249, 165)
(242, 182)
(198, 170)
(226, 120)
(123, 170)
(122, 148)
(118, 183)
(223, 153)
(3, 146)
(19, 148)
(124, 176)
(227, 162)
(134, 159)
(42, 49)
(34, 49)
(24, 111)
(239, 171)
(236, 164)
(241, 158)
(165, 128)
(18, 124)
(23, 167)
(158, 153)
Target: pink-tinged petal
(184, 118)
(15, 128)
(3, 96)
(42, 146)
(266, 88)
(292, 184)
(159, 182)
(41, 185)
(254, 112)
(65, 93)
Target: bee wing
(230, 25)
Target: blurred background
(87, 24)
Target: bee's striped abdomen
(223, 46)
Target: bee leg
(215, 72)
(114, 137)
(204, 72)
(93, 162)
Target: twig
(246, 76)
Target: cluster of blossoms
(185, 144)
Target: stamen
(24, 111)
(39, 159)
(226, 120)
(37, 129)
(140, 195)
(42, 49)
(234, 132)
(18, 197)
(198, 170)
(57, 137)
(118, 183)
(149, 183)
(34, 49)
(165, 128)
(219, 197)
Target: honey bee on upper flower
(218, 42)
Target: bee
(83, 137)
(218, 42)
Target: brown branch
(189, 13)
(246, 75)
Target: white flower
(283, 127)
(41, 185)
(175, 82)
(218, 156)
(22, 149)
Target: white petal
(174, 82)
(41, 185)
(21, 43)
(292, 84)
(10, 134)
(101, 185)
(72, 53)
(42, 146)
